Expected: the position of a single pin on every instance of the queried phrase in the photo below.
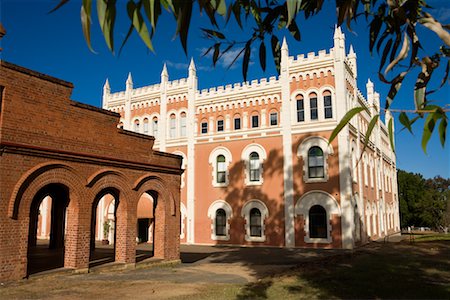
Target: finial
(284, 46)
(129, 79)
(164, 71)
(192, 65)
(351, 52)
(106, 85)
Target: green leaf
(403, 118)
(86, 10)
(293, 29)
(262, 56)
(246, 60)
(348, 116)
(237, 13)
(153, 11)
(139, 24)
(443, 130)
(401, 55)
(370, 128)
(222, 8)
(292, 6)
(276, 52)
(183, 21)
(428, 128)
(391, 134)
(61, 3)
(216, 53)
(106, 12)
(213, 33)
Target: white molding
(245, 213)
(220, 204)
(183, 214)
(245, 158)
(302, 151)
(323, 199)
(213, 161)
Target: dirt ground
(203, 268)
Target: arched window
(254, 167)
(221, 169)
(173, 126)
(221, 222)
(313, 106)
(300, 109)
(255, 223)
(136, 125)
(145, 126)
(317, 222)
(327, 105)
(183, 124)
(315, 162)
(155, 127)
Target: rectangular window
(183, 126)
(237, 123)
(220, 125)
(255, 121)
(254, 170)
(145, 127)
(328, 107)
(313, 105)
(274, 119)
(221, 172)
(204, 127)
(255, 226)
(300, 111)
(173, 127)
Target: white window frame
(216, 205)
(248, 206)
(145, 125)
(183, 124)
(303, 151)
(245, 158)
(213, 162)
(323, 199)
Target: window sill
(318, 240)
(255, 238)
(253, 183)
(315, 180)
(215, 184)
(220, 237)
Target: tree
(423, 202)
(393, 34)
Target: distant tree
(423, 202)
(393, 34)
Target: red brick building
(74, 154)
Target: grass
(431, 237)
(379, 271)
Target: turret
(339, 44)
(352, 61)
(164, 74)
(129, 83)
(284, 55)
(106, 93)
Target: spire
(164, 72)
(284, 46)
(106, 86)
(129, 82)
(351, 52)
(192, 65)
(337, 32)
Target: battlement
(239, 87)
(312, 57)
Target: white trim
(183, 214)
(183, 166)
(245, 158)
(323, 199)
(302, 151)
(213, 161)
(248, 206)
(220, 204)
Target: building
(59, 161)
(258, 167)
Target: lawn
(377, 271)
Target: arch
(262, 156)
(152, 182)
(303, 150)
(216, 205)
(212, 161)
(51, 172)
(92, 180)
(310, 199)
(245, 213)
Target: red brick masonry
(48, 140)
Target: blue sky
(54, 44)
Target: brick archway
(20, 208)
(167, 216)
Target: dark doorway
(47, 254)
(143, 226)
